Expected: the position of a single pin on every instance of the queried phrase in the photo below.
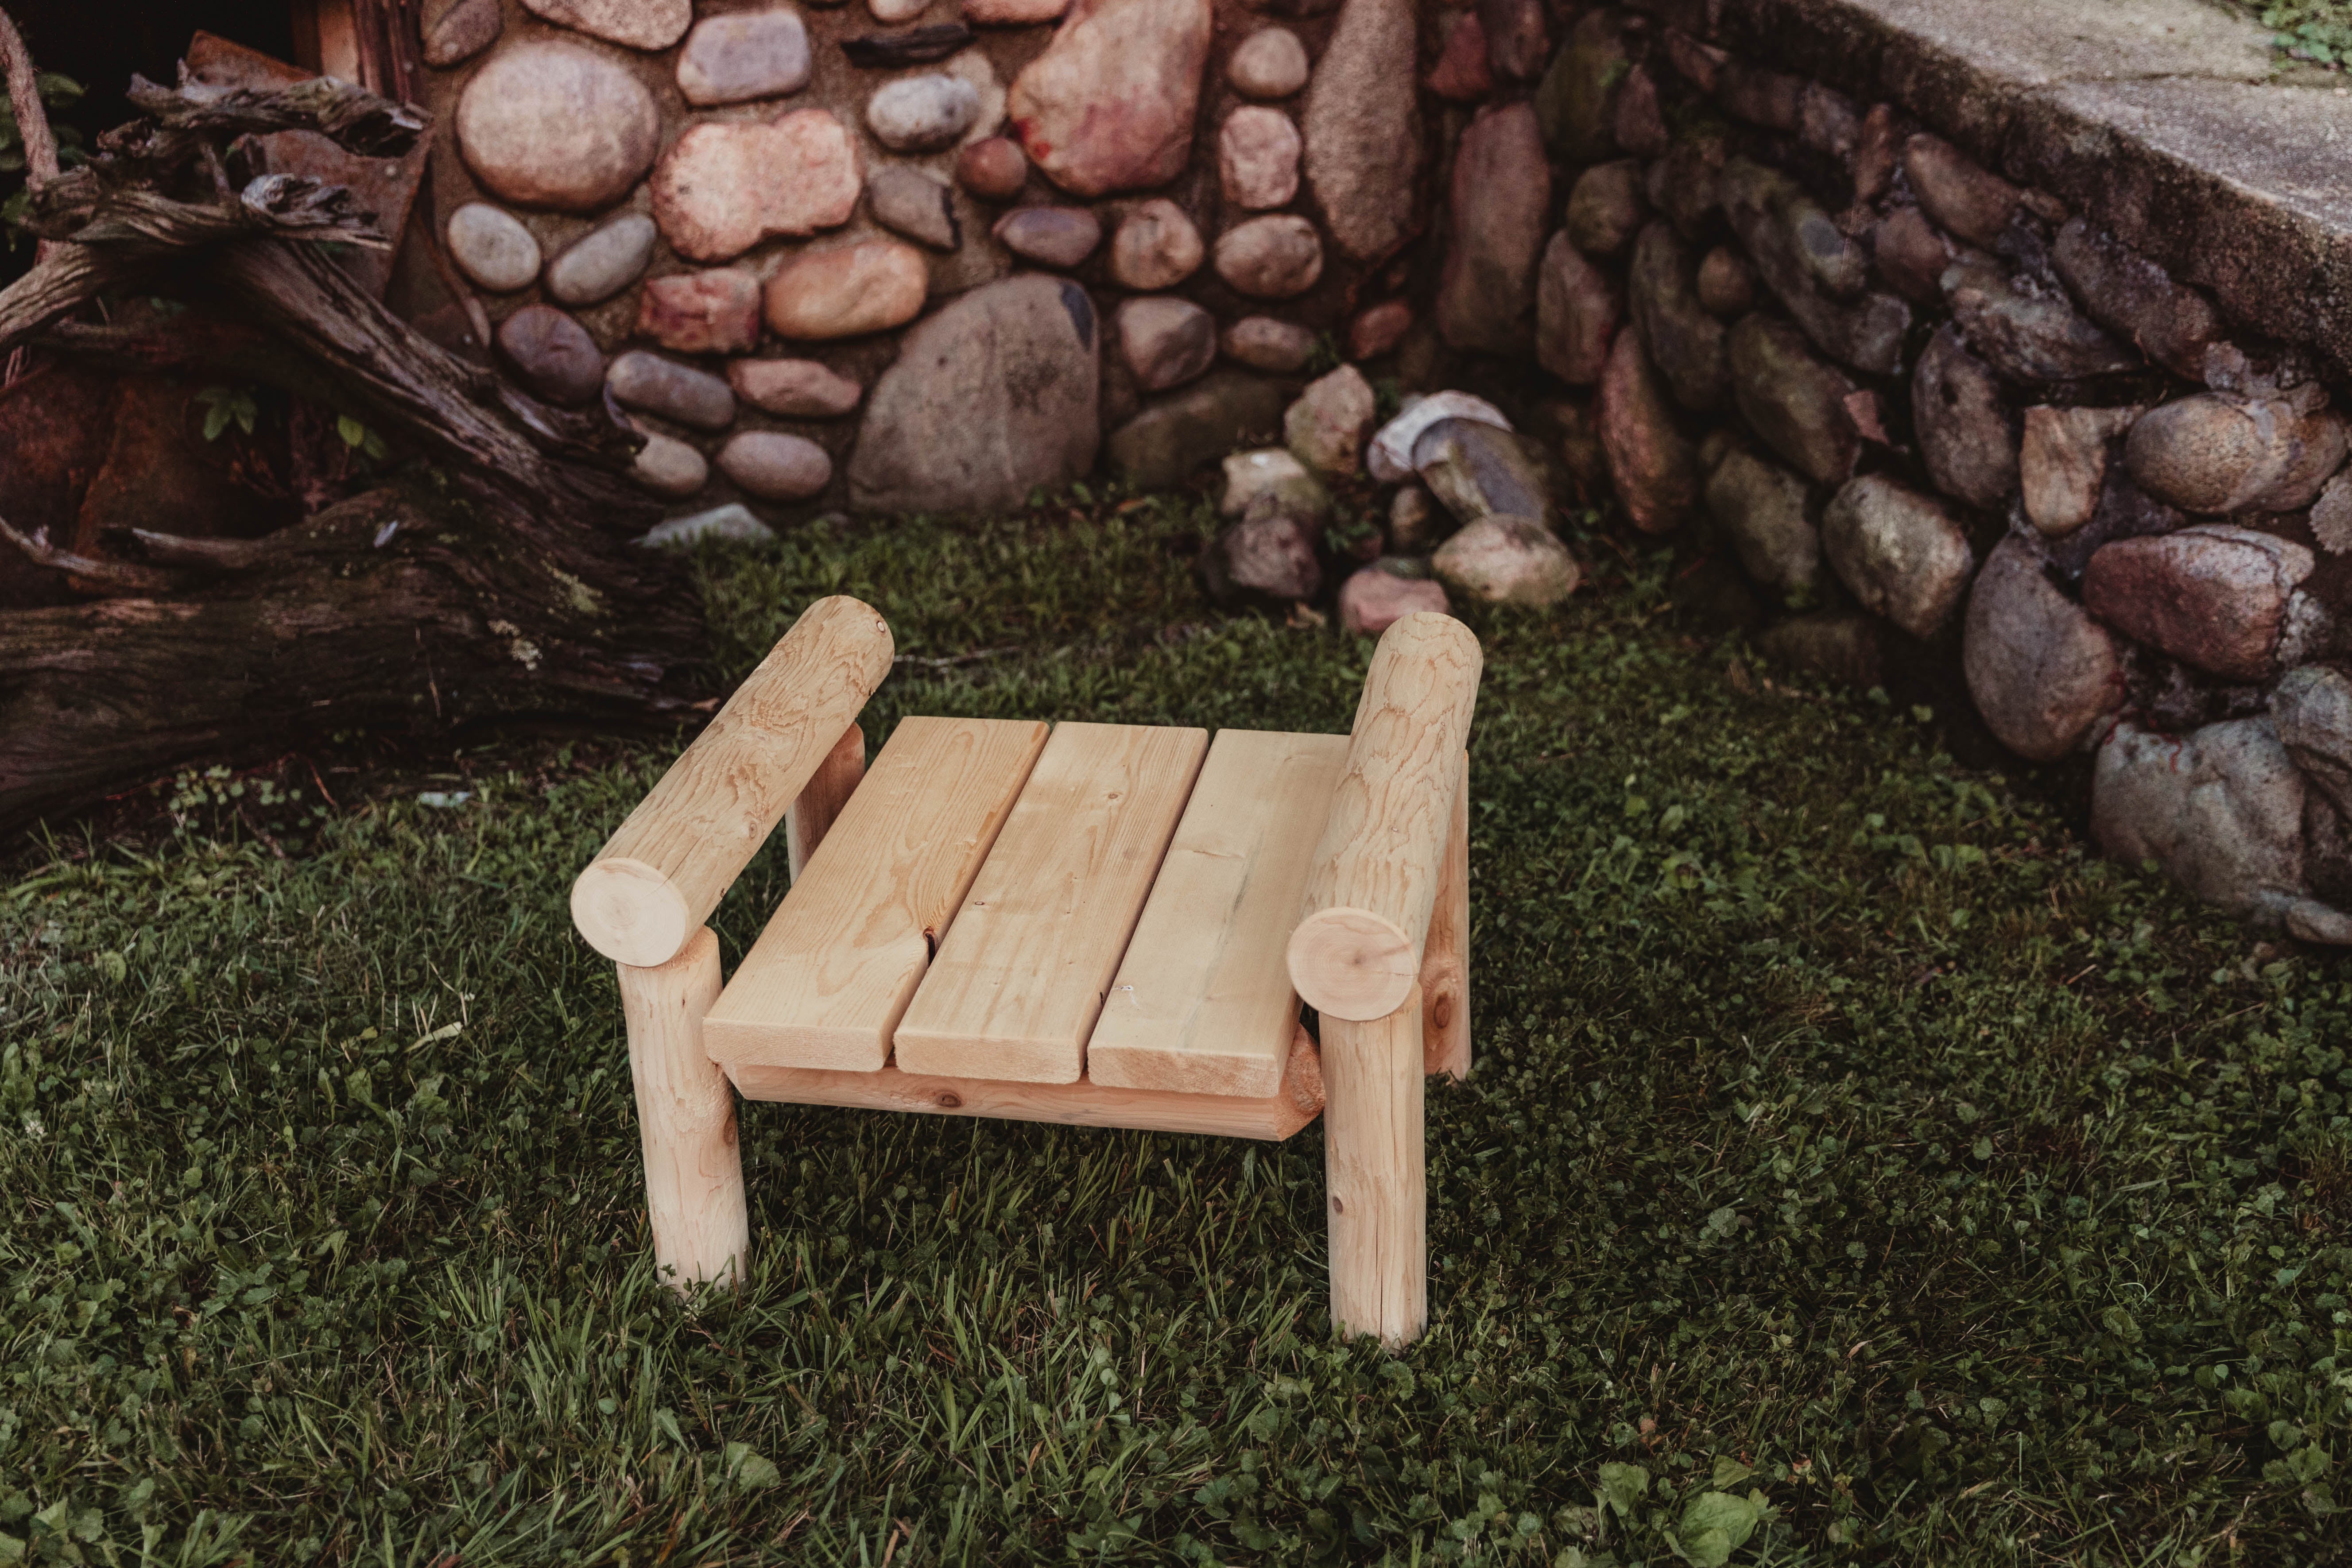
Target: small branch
(110, 579)
(210, 555)
(33, 130)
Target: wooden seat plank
(825, 983)
(1202, 1001)
(1020, 975)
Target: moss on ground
(1855, 1168)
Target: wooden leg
(1446, 955)
(685, 1115)
(1374, 1170)
(810, 816)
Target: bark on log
(490, 580)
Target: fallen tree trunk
(489, 580)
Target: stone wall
(894, 255)
(1979, 336)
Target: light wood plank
(1375, 1174)
(657, 878)
(686, 1120)
(1357, 951)
(1202, 1001)
(821, 800)
(825, 983)
(1297, 1102)
(1019, 977)
(1446, 957)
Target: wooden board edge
(1135, 1066)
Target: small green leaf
(353, 433)
(1729, 1473)
(216, 418)
(747, 1470)
(1622, 1486)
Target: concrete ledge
(2165, 121)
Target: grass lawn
(1855, 1168)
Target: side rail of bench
(1386, 872)
(786, 743)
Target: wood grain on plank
(1021, 974)
(1202, 1001)
(686, 1120)
(1445, 956)
(822, 798)
(1357, 951)
(1297, 1102)
(825, 983)
(657, 878)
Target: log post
(1445, 958)
(1375, 1172)
(822, 798)
(686, 1120)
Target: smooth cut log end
(631, 913)
(1353, 964)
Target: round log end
(631, 913)
(1353, 964)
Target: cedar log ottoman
(1107, 925)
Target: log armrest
(649, 890)
(1357, 952)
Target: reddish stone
(1641, 123)
(1379, 328)
(713, 312)
(1959, 194)
(1109, 105)
(1375, 598)
(993, 167)
(725, 185)
(1501, 192)
(1461, 75)
(1654, 466)
(2213, 595)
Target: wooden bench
(1100, 924)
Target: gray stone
(1480, 471)
(1156, 245)
(2220, 809)
(1108, 106)
(794, 388)
(2217, 453)
(1504, 559)
(1165, 341)
(604, 261)
(1327, 425)
(919, 205)
(1390, 457)
(1913, 254)
(550, 124)
(1763, 507)
(1651, 463)
(1577, 101)
(1500, 193)
(731, 522)
(460, 30)
(1800, 405)
(1684, 341)
(2063, 463)
(1268, 555)
(1759, 95)
(1376, 598)
(922, 113)
(1828, 123)
(1967, 434)
(2028, 331)
(1362, 127)
(2212, 595)
(669, 467)
(2313, 708)
(1258, 158)
(1641, 123)
(1050, 236)
(744, 55)
(2132, 297)
(1265, 342)
(1278, 257)
(2331, 515)
(1902, 554)
(1270, 63)
(774, 466)
(1843, 650)
(1169, 438)
(993, 396)
(1276, 472)
(1810, 268)
(1416, 522)
(553, 355)
(671, 390)
(1685, 187)
(1578, 307)
(1727, 285)
(634, 23)
(1958, 193)
(2042, 671)
(1605, 207)
(492, 248)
